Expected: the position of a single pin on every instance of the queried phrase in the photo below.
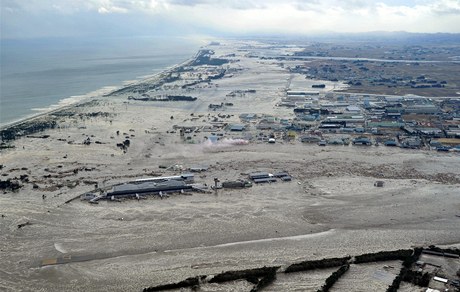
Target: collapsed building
(147, 186)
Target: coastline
(148, 78)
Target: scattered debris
(379, 184)
(24, 224)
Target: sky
(96, 18)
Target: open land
(425, 69)
(217, 113)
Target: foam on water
(77, 98)
(263, 240)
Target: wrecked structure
(147, 186)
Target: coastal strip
(41, 121)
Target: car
(443, 149)
(390, 143)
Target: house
(284, 121)
(353, 109)
(239, 184)
(309, 117)
(335, 141)
(303, 93)
(268, 120)
(286, 178)
(265, 180)
(414, 142)
(281, 174)
(236, 128)
(427, 131)
(259, 175)
(248, 117)
(394, 112)
(422, 109)
(390, 143)
(393, 99)
(213, 139)
(362, 141)
(310, 139)
(198, 168)
(347, 130)
(385, 124)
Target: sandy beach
(331, 208)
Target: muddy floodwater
(331, 208)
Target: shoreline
(58, 108)
(148, 78)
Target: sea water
(40, 74)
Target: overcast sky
(55, 18)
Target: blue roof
(353, 108)
(213, 139)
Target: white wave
(226, 142)
(77, 98)
(129, 82)
(59, 248)
(263, 240)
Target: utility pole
(216, 180)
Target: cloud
(446, 7)
(21, 18)
(111, 9)
(188, 2)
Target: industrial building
(148, 187)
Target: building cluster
(363, 74)
(343, 119)
(408, 122)
(441, 269)
(337, 119)
(163, 186)
(407, 69)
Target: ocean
(41, 74)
